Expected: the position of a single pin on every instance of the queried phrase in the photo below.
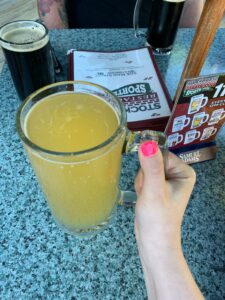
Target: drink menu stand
(209, 22)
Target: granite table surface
(39, 261)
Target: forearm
(163, 192)
(53, 13)
(167, 275)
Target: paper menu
(133, 76)
(198, 113)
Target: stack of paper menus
(133, 76)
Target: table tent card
(133, 76)
(197, 116)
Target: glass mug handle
(180, 138)
(187, 121)
(205, 118)
(133, 141)
(197, 135)
(204, 101)
(222, 115)
(136, 14)
(214, 131)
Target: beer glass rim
(121, 126)
(22, 21)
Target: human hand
(163, 192)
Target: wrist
(169, 274)
(159, 240)
(161, 252)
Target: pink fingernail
(149, 148)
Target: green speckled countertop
(39, 261)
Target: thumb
(151, 161)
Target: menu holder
(133, 76)
(197, 116)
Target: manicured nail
(149, 148)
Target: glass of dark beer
(163, 24)
(28, 53)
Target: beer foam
(24, 39)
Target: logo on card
(139, 98)
(133, 89)
(197, 86)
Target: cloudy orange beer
(75, 144)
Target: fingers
(177, 169)
(180, 176)
(139, 182)
(152, 166)
(154, 175)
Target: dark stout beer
(163, 23)
(28, 53)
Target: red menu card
(197, 116)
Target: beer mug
(199, 119)
(29, 55)
(74, 133)
(197, 102)
(217, 116)
(179, 123)
(174, 139)
(163, 24)
(208, 132)
(191, 136)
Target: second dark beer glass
(163, 23)
(28, 53)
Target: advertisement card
(197, 116)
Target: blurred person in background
(106, 13)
